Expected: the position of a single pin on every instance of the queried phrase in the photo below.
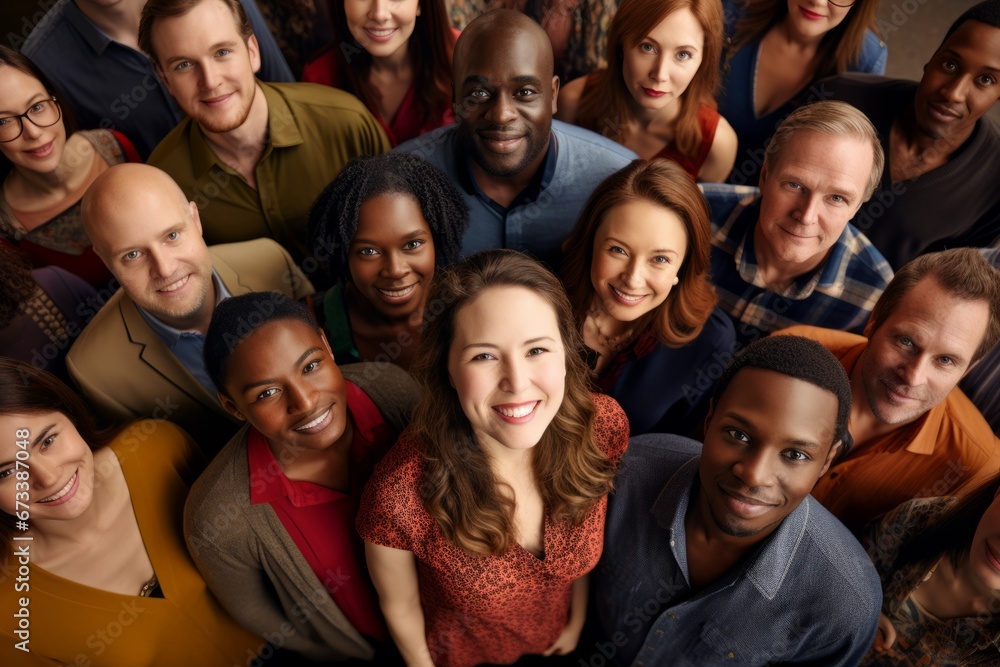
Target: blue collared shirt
(541, 217)
(188, 346)
(808, 594)
(839, 294)
(113, 86)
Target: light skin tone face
(919, 353)
(505, 95)
(507, 364)
(638, 250)
(284, 381)
(38, 149)
(60, 482)
(660, 66)
(960, 83)
(207, 67)
(809, 194)
(382, 27)
(391, 257)
(150, 239)
(767, 442)
(811, 19)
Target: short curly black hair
(237, 318)
(799, 358)
(333, 220)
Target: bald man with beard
(141, 355)
(524, 176)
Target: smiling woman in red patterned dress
(482, 523)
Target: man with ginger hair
(141, 355)
(252, 155)
(915, 433)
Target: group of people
(578, 333)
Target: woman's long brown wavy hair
(431, 47)
(839, 49)
(607, 103)
(459, 489)
(680, 318)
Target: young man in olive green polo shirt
(252, 155)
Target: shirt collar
(921, 435)
(96, 39)
(268, 482)
(538, 184)
(168, 334)
(828, 277)
(766, 567)
(283, 132)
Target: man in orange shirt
(915, 433)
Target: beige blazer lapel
(156, 355)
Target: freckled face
(507, 364)
(639, 248)
(767, 443)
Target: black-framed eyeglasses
(43, 114)
(842, 5)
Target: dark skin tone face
(767, 442)
(505, 95)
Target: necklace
(147, 588)
(612, 343)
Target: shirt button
(673, 543)
(671, 615)
(730, 655)
(659, 632)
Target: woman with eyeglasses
(46, 168)
(778, 50)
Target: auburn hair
(839, 49)
(680, 318)
(460, 489)
(431, 47)
(607, 102)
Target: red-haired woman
(395, 56)
(637, 273)
(657, 95)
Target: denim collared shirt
(807, 595)
(188, 346)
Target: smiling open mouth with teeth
(395, 294)
(62, 492)
(627, 297)
(380, 32)
(176, 285)
(518, 411)
(315, 422)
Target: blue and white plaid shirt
(839, 294)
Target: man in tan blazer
(141, 354)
